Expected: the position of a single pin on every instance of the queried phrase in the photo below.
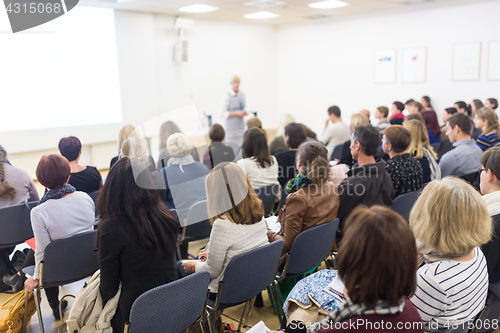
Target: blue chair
(195, 227)
(245, 277)
(66, 260)
(337, 152)
(309, 249)
(403, 204)
(268, 195)
(172, 307)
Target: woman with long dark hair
(137, 238)
(433, 128)
(260, 167)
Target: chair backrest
(474, 179)
(197, 224)
(404, 203)
(15, 224)
(311, 247)
(267, 195)
(249, 273)
(172, 307)
(70, 259)
(94, 195)
(337, 152)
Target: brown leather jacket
(308, 207)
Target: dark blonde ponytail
(314, 158)
(7, 191)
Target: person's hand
(202, 255)
(242, 113)
(189, 266)
(31, 284)
(326, 123)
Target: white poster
(414, 64)
(385, 66)
(494, 61)
(466, 61)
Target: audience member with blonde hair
(450, 221)
(421, 149)
(312, 199)
(278, 143)
(356, 121)
(125, 132)
(405, 171)
(166, 130)
(135, 148)
(487, 120)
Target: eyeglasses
(481, 169)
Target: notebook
(336, 288)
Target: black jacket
(491, 251)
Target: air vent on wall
(265, 3)
(413, 2)
(316, 17)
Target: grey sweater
(22, 182)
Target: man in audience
(464, 158)
(415, 107)
(336, 131)
(381, 114)
(445, 145)
(367, 183)
(294, 136)
(461, 107)
(366, 113)
(491, 103)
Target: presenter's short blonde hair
(451, 216)
(235, 78)
(178, 145)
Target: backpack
(87, 314)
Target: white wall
(332, 61)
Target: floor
(230, 315)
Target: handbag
(12, 312)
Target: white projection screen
(58, 77)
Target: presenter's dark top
(88, 180)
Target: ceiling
(233, 10)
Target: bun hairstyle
(314, 158)
(7, 191)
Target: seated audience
(462, 107)
(137, 238)
(490, 188)
(397, 116)
(238, 223)
(125, 133)
(184, 177)
(278, 143)
(487, 121)
(408, 102)
(16, 185)
(378, 247)
(365, 113)
(336, 131)
(294, 136)
(311, 136)
(464, 158)
(415, 108)
(405, 171)
(491, 103)
(312, 199)
(260, 167)
(414, 116)
(138, 149)
(217, 152)
(83, 178)
(356, 121)
(421, 149)
(450, 222)
(426, 103)
(433, 128)
(445, 145)
(368, 183)
(381, 114)
(166, 130)
(61, 213)
(253, 122)
(475, 105)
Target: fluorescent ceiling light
(198, 8)
(261, 15)
(264, 3)
(329, 4)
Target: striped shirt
(451, 292)
(487, 140)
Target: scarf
(348, 310)
(188, 159)
(433, 165)
(298, 181)
(493, 202)
(427, 254)
(57, 193)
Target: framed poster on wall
(494, 60)
(414, 64)
(466, 61)
(385, 66)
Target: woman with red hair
(433, 128)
